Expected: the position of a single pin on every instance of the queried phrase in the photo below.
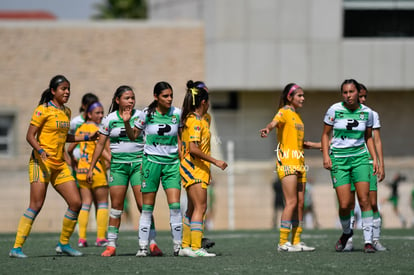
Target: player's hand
(264, 132)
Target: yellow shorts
(99, 180)
(204, 185)
(286, 170)
(40, 171)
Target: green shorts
(153, 172)
(349, 170)
(372, 181)
(122, 173)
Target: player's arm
(32, 140)
(326, 135)
(371, 148)
(195, 151)
(269, 127)
(378, 149)
(100, 146)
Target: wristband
(86, 137)
(40, 151)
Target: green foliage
(122, 9)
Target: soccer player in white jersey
(349, 123)
(373, 198)
(126, 160)
(161, 122)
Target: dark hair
(158, 88)
(87, 99)
(362, 87)
(118, 93)
(53, 85)
(351, 81)
(196, 92)
(289, 90)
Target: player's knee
(115, 213)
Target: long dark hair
(289, 90)
(118, 93)
(53, 85)
(158, 88)
(196, 92)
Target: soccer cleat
(340, 244)
(17, 253)
(186, 252)
(176, 248)
(142, 252)
(203, 253)
(109, 252)
(378, 246)
(101, 242)
(207, 243)
(368, 248)
(303, 247)
(288, 247)
(349, 246)
(68, 250)
(155, 250)
(82, 243)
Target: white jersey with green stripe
(75, 123)
(123, 150)
(161, 134)
(348, 129)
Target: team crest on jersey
(143, 184)
(174, 120)
(197, 128)
(111, 178)
(362, 116)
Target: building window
(7, 136)
(225, 100)
(378, 18)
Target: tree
(122, 9)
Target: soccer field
(238, 252)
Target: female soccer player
(98, 190)
(161, 123)
(195, 167)
(126, 160)
(291, 166)
(47, 134)
(350, 125)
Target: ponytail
(196, 93)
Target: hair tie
(194, 92)
(292, 89)
(93, 106)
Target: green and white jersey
(161, 135)
(123, 150)
(348, 129)
(75, 123)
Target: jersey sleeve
(280, 117)
(39, 116)
(104, 127)
(329, 116)
(370, 121)
(194, 129)
(140, 122)
(377, 123)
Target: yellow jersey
(290, 135)
(193, 169)
(86, 152)
(53, 123)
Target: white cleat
(288, 247)
(303, 247)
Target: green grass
(238, 252)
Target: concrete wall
(95, 57)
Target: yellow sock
(24, 227)
(68, 226)
(83, 219)
(196, 234)
(102, 220)
(186, 240)
(296, 234)
(284, 235)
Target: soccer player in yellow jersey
(47, 134)
(98, 190)
(290, 166)
(195, 166)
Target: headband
(202, 86)
(93, 106)
(292, 89)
